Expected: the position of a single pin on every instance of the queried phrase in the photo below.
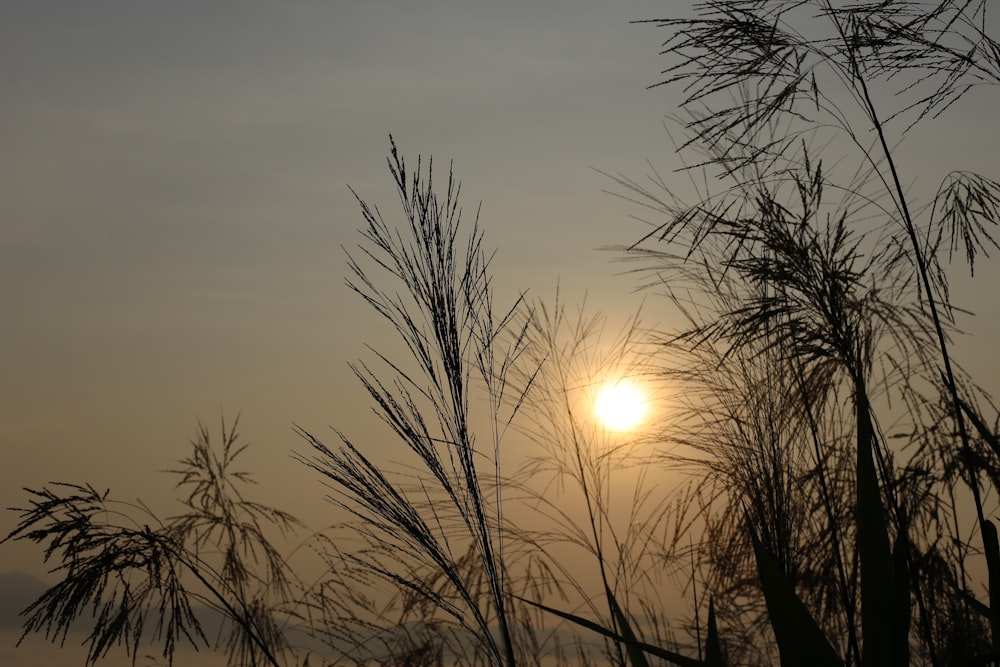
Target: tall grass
(831, 280)
(606, 518)
(830, 441)
(133, 576)
(445, 525)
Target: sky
(174, 205)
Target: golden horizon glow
(620, 406)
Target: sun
(620, 405)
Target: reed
(828, 438)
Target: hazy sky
(174, 199)
(173, 202)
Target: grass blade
(713, 648)
(901, 606)
(669, 656)
(800, 640)
(635, 654)
(873, 546)
(992, 545)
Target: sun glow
(620, 406)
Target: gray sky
(173, 202)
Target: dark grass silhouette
(829, 439)
(438, 298)
(132, 575)
(828, 274)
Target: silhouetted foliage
(129, 573)
(437, 295)
(829, 440)
(811, 287)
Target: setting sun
(620, 406)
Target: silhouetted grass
(828, 440)
(131, 574)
